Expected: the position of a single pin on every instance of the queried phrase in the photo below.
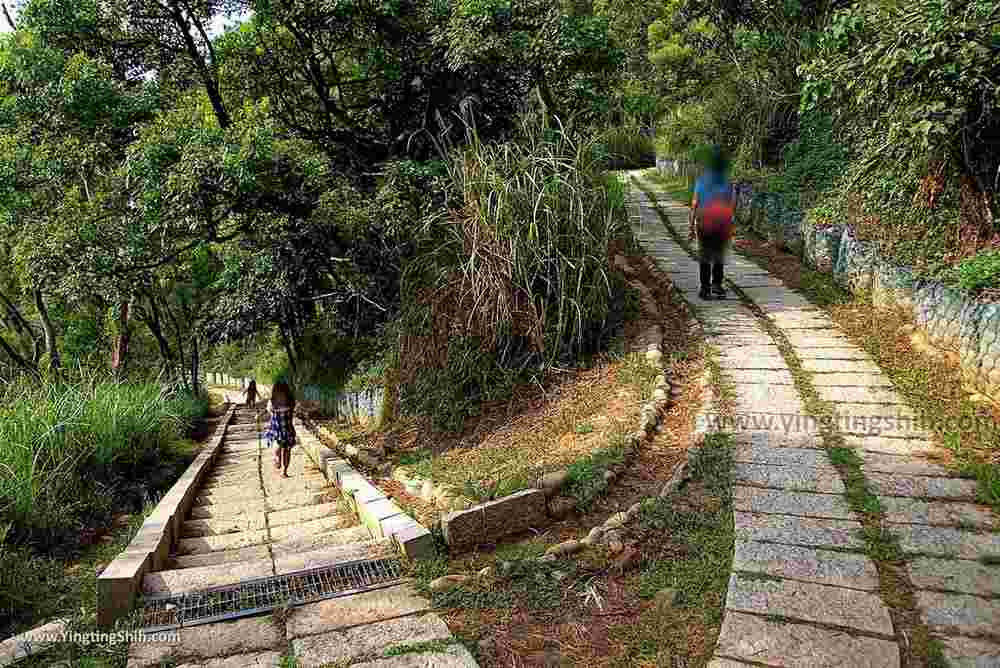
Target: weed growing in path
(895, 587)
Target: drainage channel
(252, 597)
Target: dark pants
(712, 273)
(711, 261)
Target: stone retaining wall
(952, 320)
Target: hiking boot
(705, 293)
(719, 291)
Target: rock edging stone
(31, 642)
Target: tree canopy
(182, 185)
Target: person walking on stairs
(281, 431)
(712, 211)
(252, 394)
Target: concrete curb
(383, 518)
(119, 583)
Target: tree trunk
(18, 359)
(16, 321)
(155, 325)
(290, 351)
(51, 344)
(182, 356)
(207, 71)
(390, 400)
(545, 94)
(195, 367)
(119, 360)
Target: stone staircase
(250, 532)
(248, 521)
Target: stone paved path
(802, 591)
(250, 522)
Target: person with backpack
(713, 209)
(280, 430)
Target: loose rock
(448, 582)
(566, 547)
(595, 533)
(550, 483)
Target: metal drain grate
(171, 611)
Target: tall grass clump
(69, 452)
(514, 275)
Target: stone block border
(119, 583)
(383, 518)
(611, 533)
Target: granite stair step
(309, 542)
(255, 553)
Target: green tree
(561, 49)
(916, 84)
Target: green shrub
(26, 590)
(979, 272)
(69, 452)
(813, 163)
(686, 127)
(586, 481)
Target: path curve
(803, 591)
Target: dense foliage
(882, 114)
(175, 185)
(516, 277)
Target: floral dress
(280, 430)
